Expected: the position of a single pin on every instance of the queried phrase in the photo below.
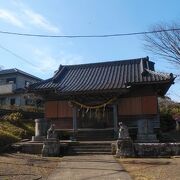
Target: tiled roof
(15, 70)
(112, 75)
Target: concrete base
(38, 138)
(30, 147)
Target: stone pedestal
(51, 148)
(125, 148)
(146, 131)
(40, 130)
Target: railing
(7, 88)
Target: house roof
(113, 75)
(15, 71)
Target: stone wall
(148, 150)
(156, 149)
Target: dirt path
(17, 166)
(89, 167)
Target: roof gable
(18, 71)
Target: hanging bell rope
(95, 106)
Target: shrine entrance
(95, 118)
(95, 121)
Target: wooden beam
(74, 119)
(115, 119)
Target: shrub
(12, 129)
(167, 122)
(14, 117)
(168, 109)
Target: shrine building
(88, 100)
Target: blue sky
(80, 17)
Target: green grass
(13, 132)
(7, 138)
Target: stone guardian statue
(51, 132)
(123, 131)
(124, 144)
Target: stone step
(90, 145)
(86, 153)
(95, 135)
(89, 134)
(95, 138)
(90, 148)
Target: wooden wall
(60, 113)
(142, 105)
(57, 109)
(63, 123)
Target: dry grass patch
(152, 168)
(24, 166)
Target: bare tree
(165, 43)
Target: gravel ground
(17, 166)
(152, 168)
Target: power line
(87, 36)
(73, 36)
(16, 55)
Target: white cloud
(10, 18)
(70, 59)
(23, 16)
(47, 63)
(40, 21)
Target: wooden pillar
(115, 119)
(74, 121)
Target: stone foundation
(51, 148)
(30, 147)
(146, 131)
(129, 149)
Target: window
(2, 101)
(12, 101)
(11, 80)
(1, 82)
